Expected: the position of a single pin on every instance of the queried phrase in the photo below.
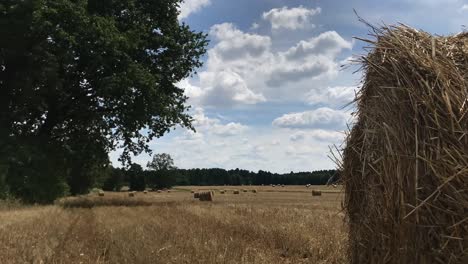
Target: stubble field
(274, 225)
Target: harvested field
(266, 227)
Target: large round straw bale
(254, 191)
(159, 191)
(196, 195)
(145, 192)
(316, 193)
(101, 193)
(405, 164)
(244, 190)
(222, 191)
(236, 192)
(192, 191)
(131, 194)
(206, 196)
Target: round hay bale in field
(244, 190)
(101, 193)
(206, 196)
(159, 191)
(222, 191)
(254, 191)
(192, 191)
(405, 164)
(168, 191)
(145, 192)
(131, 194)
(196, 195)
(236, 192)
(316, 193)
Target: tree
(114, 180)
(136, 177)
(161, 162)
(162, 172)
(101, 71)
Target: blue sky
(271, 93)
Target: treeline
(138, 179)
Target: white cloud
(464, 8)
(230, 129)
(291, 18)
(297, 136)
(338, 96)
(192, 6)
(333, 137)
(221, 89)
(315, 67)
(319, 118)
(207, 125)
(243, 69)
(309, 59)
(234, 44)
(327, 43)
(254, 26)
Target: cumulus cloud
(338, 96)
(327, 43)
(192, 6)
(221, 89)
(291, 18)
(319, 118)
(242, 68)
(297, 136)
(309, 59)
(321, 135)
(235, 44)
(315, 67)
(208, 125)
(327, 135)
(464, 8)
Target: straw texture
(405, 164)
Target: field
(275, 225)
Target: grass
(266, 227)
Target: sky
(273, 93)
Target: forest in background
(136, 178)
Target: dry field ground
(275, 225)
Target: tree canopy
(162, 161)
(81, 78)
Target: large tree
(162, 172)
(161, 161)
(79, 78)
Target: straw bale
(405, 162)
(316, 193)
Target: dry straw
(206, 196)
(405, 164)
(316, 193)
